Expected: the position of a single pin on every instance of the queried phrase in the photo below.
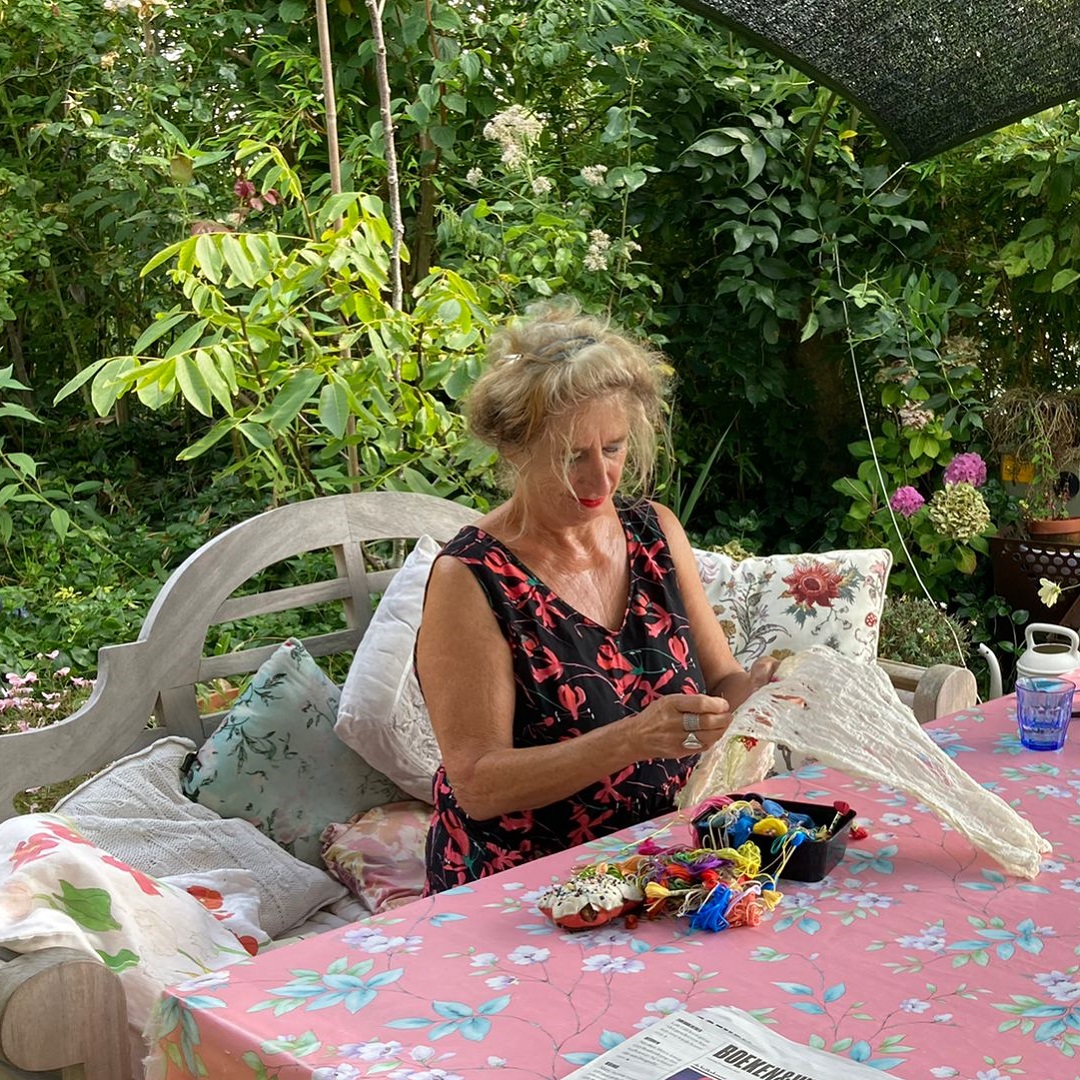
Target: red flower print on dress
(608, 658)
(813, 583)
(647, 555)
(544, 663)
(571, 698)
(608, 790)
(659, 622)
(650, 691)
(871, 619)
(522, 821)
(587, 828)
(679, 649)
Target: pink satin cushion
(379, 855)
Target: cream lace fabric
(846, 714)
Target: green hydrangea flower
(959, 512)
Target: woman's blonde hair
(557, 359)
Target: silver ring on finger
(692, 742)
(691, 721)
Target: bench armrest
(85, 1035)
(932, 691)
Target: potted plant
(1036, 434)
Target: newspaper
(720, 1043)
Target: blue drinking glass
(1043, 711)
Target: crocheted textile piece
(847, 715)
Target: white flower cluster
(145, 8)
(513, 129)
(541, 185)
(474, 176)
(602, 248)
(914, 416)
(596, 258)
(108, 60)
(593, 175)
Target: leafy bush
(915, 630)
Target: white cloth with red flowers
(846, 715)
(58, 890)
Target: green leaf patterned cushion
(782, 604)
(276, 762)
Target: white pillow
(783, 604)
(382, 714)
(135, 810)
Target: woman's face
(577, 464)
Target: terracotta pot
(1059, 530)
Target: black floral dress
(572, 675)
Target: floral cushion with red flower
(59, 890)
(776, 605)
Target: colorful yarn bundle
(726, 821)
(716, 889)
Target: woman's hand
(664, 727)
(762, 671)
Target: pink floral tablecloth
(916, 955)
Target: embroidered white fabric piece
(846, 715)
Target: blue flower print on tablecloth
(376, 940)
(456, 1018)
(948, 741)
(1053, 1019)
(995, 938)
(345, 984)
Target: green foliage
(1011, 227)
(291, 336)
(699, 190)
(915, 630)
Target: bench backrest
(157, 674)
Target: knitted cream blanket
(846, 714)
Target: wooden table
(916, 955)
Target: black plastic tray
(811, 860)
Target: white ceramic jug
(1049, 657)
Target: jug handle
(1050, 628)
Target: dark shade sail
(930, 73)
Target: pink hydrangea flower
(907, 501)
(966, 469)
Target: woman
(569, 658)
